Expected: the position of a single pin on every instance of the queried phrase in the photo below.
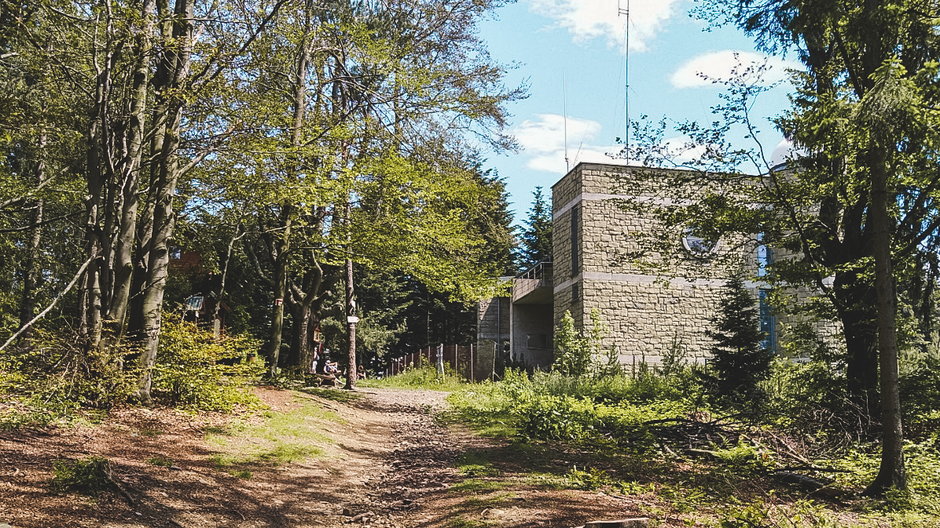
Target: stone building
(655, 291)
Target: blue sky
(577, 47)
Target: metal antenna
(625, 12)
(564, 97)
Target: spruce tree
(739, 358)
(537, 232)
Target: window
(696, 245)
(765, 256)
(575, 292)
(575, 243)
(768, 323)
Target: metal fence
(469, 362)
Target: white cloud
(543, 139)
(547, 132)
(726, 65)
(591, 19)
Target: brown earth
(385, 462)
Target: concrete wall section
(532, 331)
(493, 319)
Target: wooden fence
(469, 362)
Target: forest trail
(322, 459)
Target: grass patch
(479, 485)
(88, 476)
(463, 522)
(492, 501)
(633, 437)
(476, 464)
(276, 439)
(149, 432)
(31, 413)
(160, 461)
(419, 378)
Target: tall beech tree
(289, 138)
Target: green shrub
(423, 377)
(758, 514)
(644, 387)
(811, 400)
(580, 419)
(572, 349)
(556, 418)
(922, 463)
(90, 475)
(49, 376)
(588, 479)
(920, 392)
(197, 370)
(580, 353)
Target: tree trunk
(90, 325)
(891, 473)
(280, 292)
(31, 269)
(304, 301)
(351, 321)
(280, 273)
(217, 307)
(130, 166)
(856, 300)
(300, 315)
(178, 57)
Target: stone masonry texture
(653, 296)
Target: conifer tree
(537, 233)
(739, 358)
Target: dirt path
(381, 460)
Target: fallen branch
(49, 308)
(124, 493)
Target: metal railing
(541, 271)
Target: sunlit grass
(420, 378)
(278, 438)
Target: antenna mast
(625, 12)
(564, 97)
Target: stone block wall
(652, 299)
(647, 321)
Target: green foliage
(536, 238)
(580, 354)
(920, 394)
(587, 479)
(922, 460)
(196, 370)
(49, 377)
(624, 422)
(760, 514)
(572, 355)
(592, 411)
(739, 359)
(89, 476)
(423, 377)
